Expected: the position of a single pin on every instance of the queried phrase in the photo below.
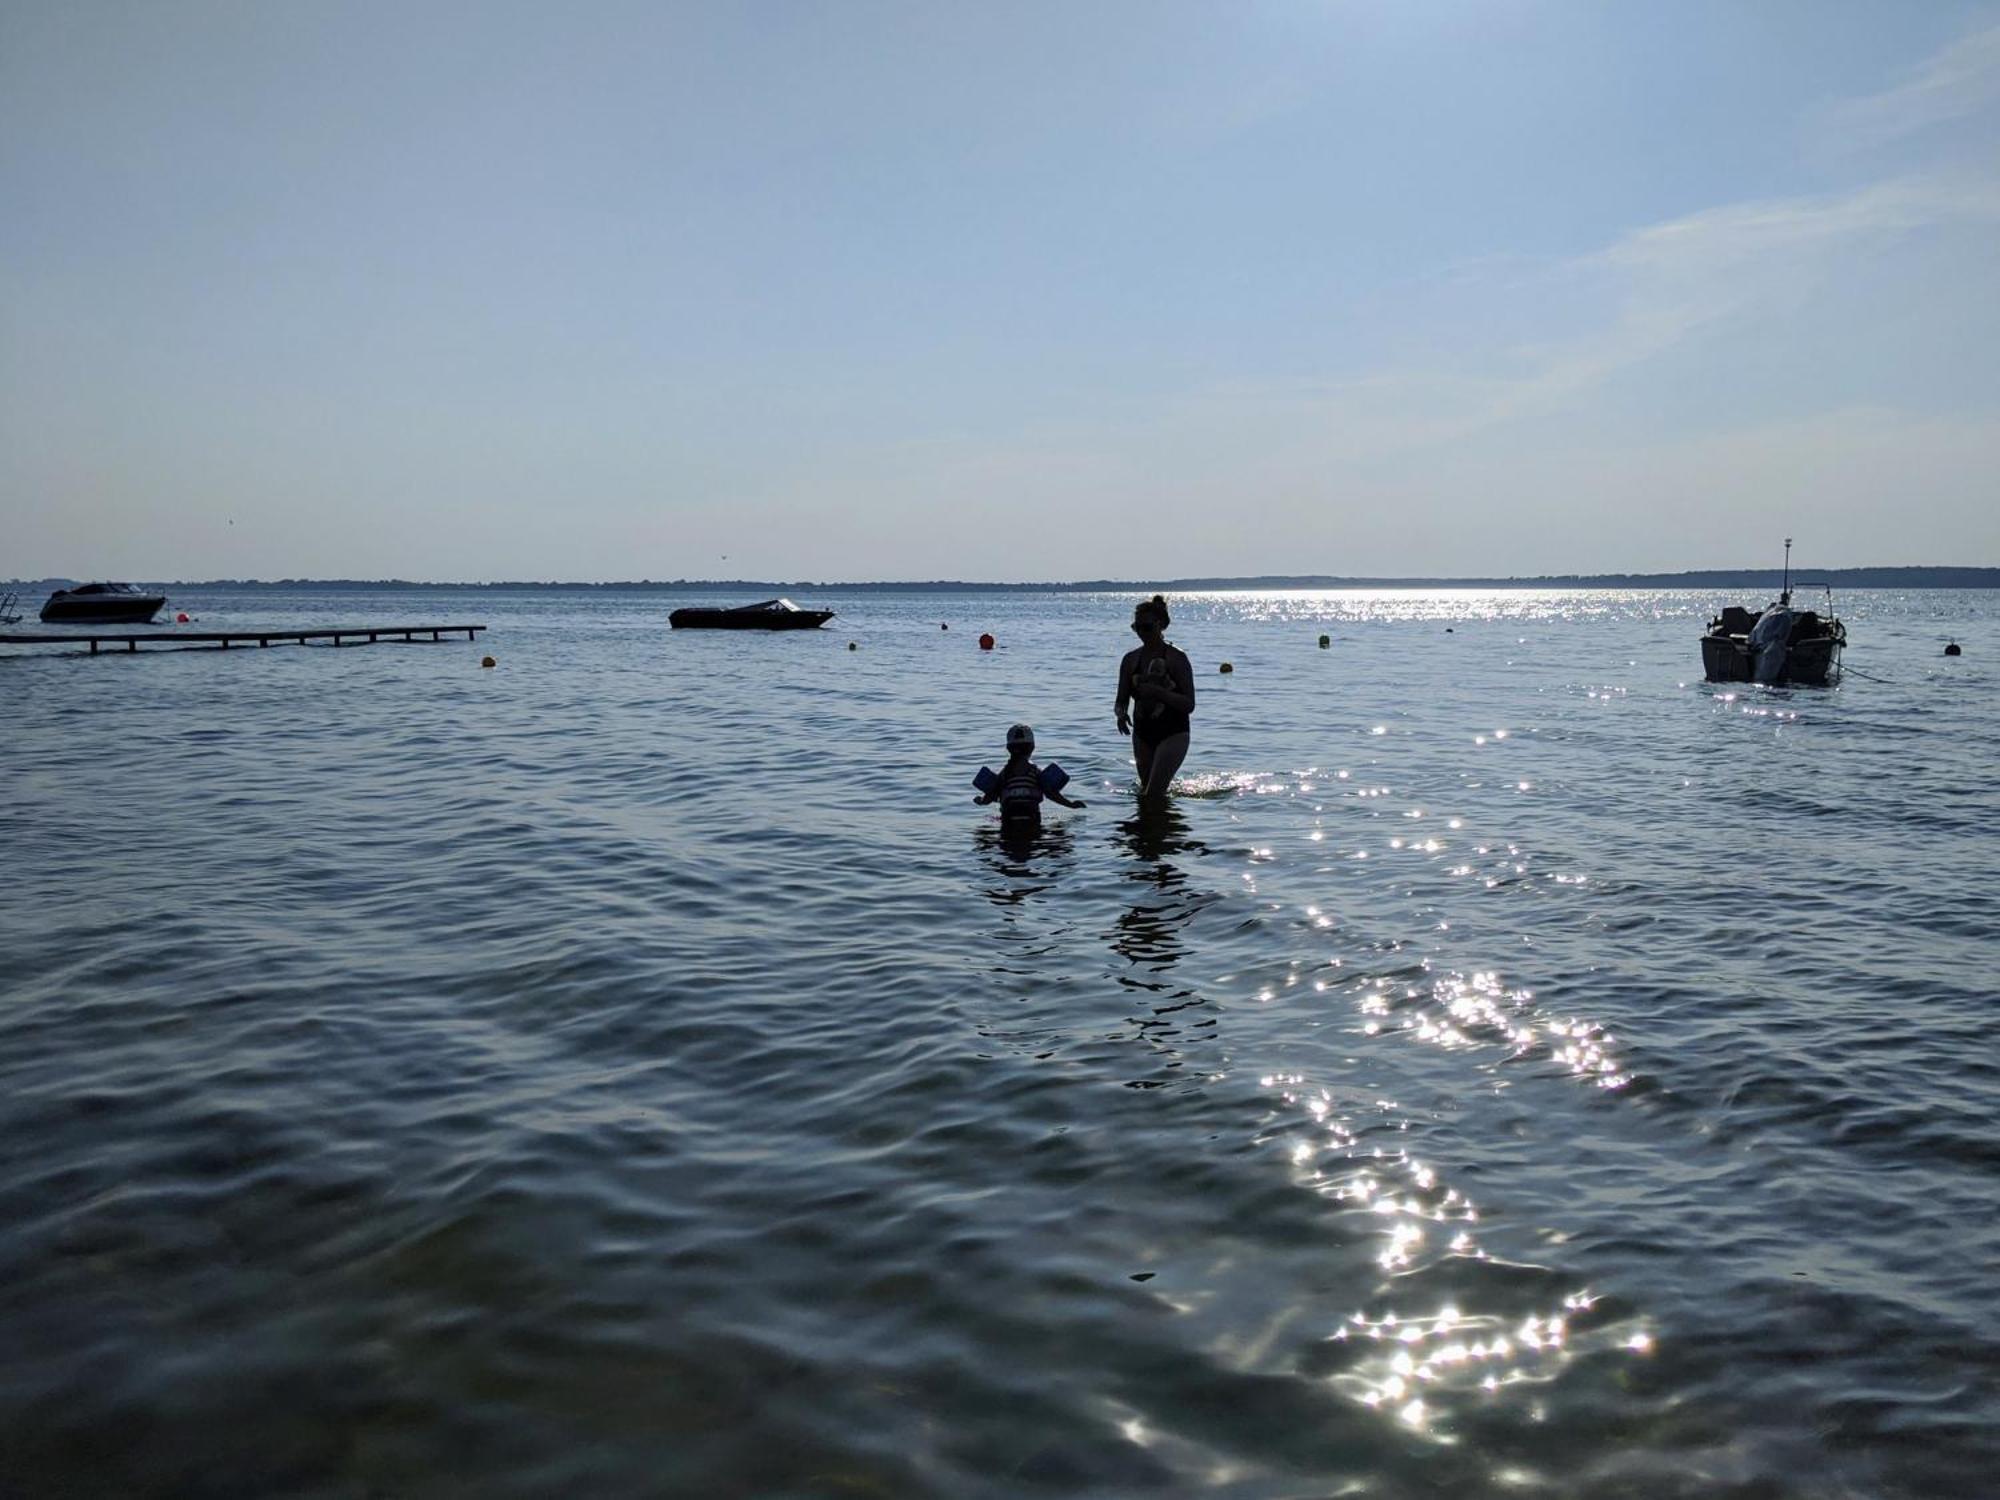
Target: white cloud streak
(1669, 284)
(1961, 80)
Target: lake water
(1513, 1066)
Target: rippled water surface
(1512, 1065)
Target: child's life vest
(1021, 789)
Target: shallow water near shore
(1511, 1065)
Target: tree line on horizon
(1918, 576)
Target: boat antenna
(1785, 598)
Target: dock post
(93, 648)
(131, 643)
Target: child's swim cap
(1020, 737)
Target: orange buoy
(986, 643)
(181, 618)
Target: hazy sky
(858, 290)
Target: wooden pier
(340, 635)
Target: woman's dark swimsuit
(1153, 721)
(1163, 724)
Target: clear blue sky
(865, 291)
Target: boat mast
(1785, 598)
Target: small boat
(772, 614)
(1780, 644)
(102, 604)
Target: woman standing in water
(1157, 681)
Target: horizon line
(1888, 575)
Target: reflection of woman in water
(1156, 680)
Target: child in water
(1020, 790)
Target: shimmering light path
(1511, 1066)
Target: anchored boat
(1778, 644)
(102, 604)
(772, 614)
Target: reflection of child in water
(1020, 790)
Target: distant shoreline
(1766, 579)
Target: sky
(868, 291)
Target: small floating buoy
(1325, 641)
(487, 661)
(852, 647)
(944, 625)
(181, 618)
(986, 643)
(1952, 649)
(1228, 667)
(1447, 630)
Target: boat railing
(9, 615)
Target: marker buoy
(487, 661)
(1228, 667)
(1325, 641)
(986, 643)
(1952, 650)
(852, 647)
(181, 618)
(944, 625)
(1447, 630)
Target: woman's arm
(1124, 692)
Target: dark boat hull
(1809, 663)
(101, 609)
(748, 619)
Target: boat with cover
(102, 604)
(771, 614)
(1780, 644)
